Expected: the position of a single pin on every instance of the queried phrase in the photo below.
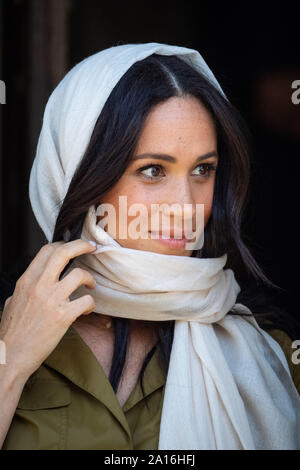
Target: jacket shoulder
(289, 347)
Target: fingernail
(92, 243)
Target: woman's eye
(205, 169)
(151, 172)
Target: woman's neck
(94, 320)
(98, 323)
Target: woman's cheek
(207, 200)
(207, 211)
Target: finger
(61, 257)
(37, 265)
(82, 306)
(73, 280)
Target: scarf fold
(228, 384)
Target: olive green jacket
(68, 403)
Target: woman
(159, 354)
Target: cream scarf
(228, 384)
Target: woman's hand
(39, 312)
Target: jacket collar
(75, 360)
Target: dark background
(254, 53)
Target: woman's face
(179, 131)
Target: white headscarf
(228, 384)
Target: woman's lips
(169, 241)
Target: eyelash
(210, 167)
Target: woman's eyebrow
(169, 158)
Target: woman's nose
(180, 200)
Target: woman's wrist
(12, 377)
